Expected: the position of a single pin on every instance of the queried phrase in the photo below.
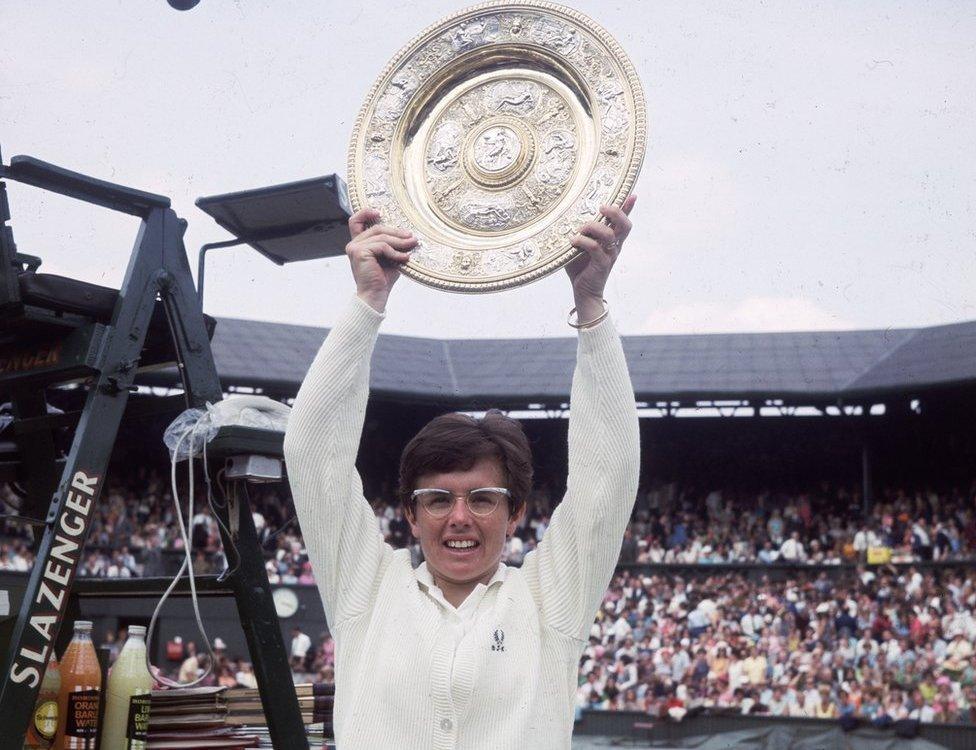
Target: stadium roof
(827, 365)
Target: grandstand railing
(779, 571)
(172, 559)
(638, 725)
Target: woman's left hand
(601, 246)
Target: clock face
(286, 602)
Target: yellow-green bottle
(126, 723)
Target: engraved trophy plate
(493, 136)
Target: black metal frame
(158, 267)
(315, 209)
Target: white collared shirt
(468, 611)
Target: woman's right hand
(376, 253)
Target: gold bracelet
(590, 323)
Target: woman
(462, 652)
(720, 663)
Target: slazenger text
(51, 596)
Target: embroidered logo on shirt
(499, 637)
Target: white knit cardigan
(411, 672)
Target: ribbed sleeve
(572, 566)
(340, 531)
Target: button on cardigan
(412, 671)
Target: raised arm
(340, 530)
(572, 566)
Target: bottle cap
(84, 625)
(139, 630)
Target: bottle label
(137, 726)
(82, 718)
(46, 719)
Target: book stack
(229, 718)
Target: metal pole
(201, 263)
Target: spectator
(300, 645)
(190, 668)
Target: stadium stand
(683, 626)
(744, 585)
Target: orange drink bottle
(81, 690)
(44, 721)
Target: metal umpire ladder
(55, 330)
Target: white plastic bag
(191, 430)
(187, 434)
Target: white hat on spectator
(677, 713)
(219, 643)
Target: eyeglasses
(481, 501)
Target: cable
(285, 525)
(281, 528)
(191, 430)
(187, 562)
(213, 506)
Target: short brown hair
(455, 441)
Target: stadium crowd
(880, 643)
(135, 528)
